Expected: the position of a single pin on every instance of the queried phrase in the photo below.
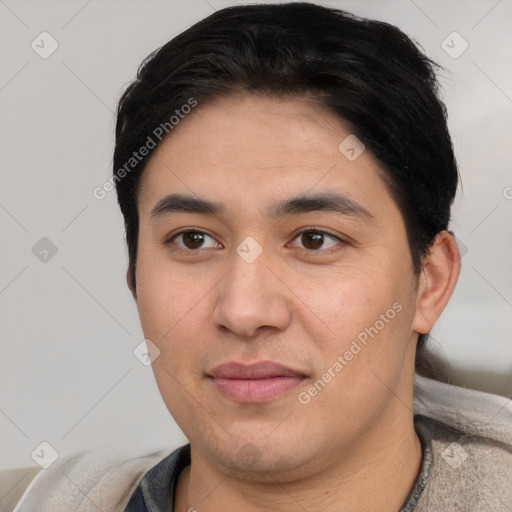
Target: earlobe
(437, 281)
(131, 284)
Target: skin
(298, 304)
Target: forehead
(245, 150)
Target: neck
(377, 474)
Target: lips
(260, 370)
(255, 383)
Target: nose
(251, 296)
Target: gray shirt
(459, 473)
(156, 491)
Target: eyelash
(171, 239)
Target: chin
(265, 461)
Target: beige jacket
(472, 470)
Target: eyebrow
(306, 203)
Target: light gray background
(68, 375)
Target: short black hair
(367, 72)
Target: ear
(131, 284)
(437, 281)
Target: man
(286, 176)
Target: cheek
(172, 316)
(360, 330)
(164, 295)
(350, 299)
(175, 303)
(372, 305)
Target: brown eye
(313, 240)
(192, 240)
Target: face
(284, 322)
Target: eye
(192, 240)
(314, 239)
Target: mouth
(255, 383)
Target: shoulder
(13, 483)
(469, 411)
(101, 479)
(471, 436)
(468, 472)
